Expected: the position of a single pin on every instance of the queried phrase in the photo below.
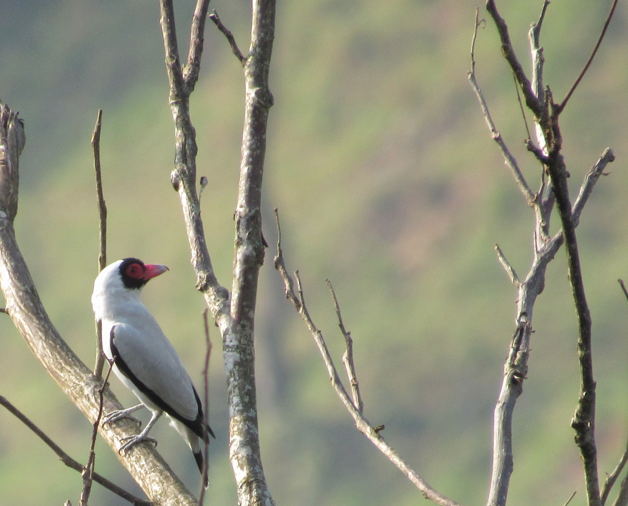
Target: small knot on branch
(175, 179)
(518, 377)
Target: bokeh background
(387, 183)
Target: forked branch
(531, 100)
(235, 314)
(347, 357)
(510, 160)
(353, 405)
(553, 189)
(69, 461)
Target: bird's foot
(130, 441)
(114, 416)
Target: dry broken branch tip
(229, 35)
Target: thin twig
(623, 287)
(362, 424)
(193, 66)
(589, 182)
(102, 206)
(102, 233)
(208, 347)
(510, 160)
(69, 461)
(512, 274)
(523, 113)
(539, 153)
(612, 478)
(574, 493)
(280, 265)
(622, 497)
(227, 33)
(347, 357)
(562, 105)
(88, 471)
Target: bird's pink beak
(154, 270)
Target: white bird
(143, 358)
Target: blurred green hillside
(387, 182)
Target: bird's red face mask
(135, 274)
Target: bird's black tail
(200, 462)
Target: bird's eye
(135, 271)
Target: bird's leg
(114, 416)
(130, 441)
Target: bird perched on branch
(143, 358)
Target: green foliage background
(387, 183)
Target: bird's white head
(122, 280)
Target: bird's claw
(130, 441)
(114, 416)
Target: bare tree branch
(515, 372)
(589, 182)
(562, 105)
(521, 108)
(512, 274)
(584, 418)
(534, 36)
(238, 345)
(574, 493)
(88, 471)
(362, 424)
(74, 378)
(183, 176)
(612, 478)
(193, 66)
(508, 158)
(528, 290)
(283, 271)
(234, 316)
(69, 461)
(532, 101)
(538, 62)
(230, 38)
(622, 498)
(208, 353)
(12, 140)
(550, 141)
(347, 357)
(623, 287)
(102, 234)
